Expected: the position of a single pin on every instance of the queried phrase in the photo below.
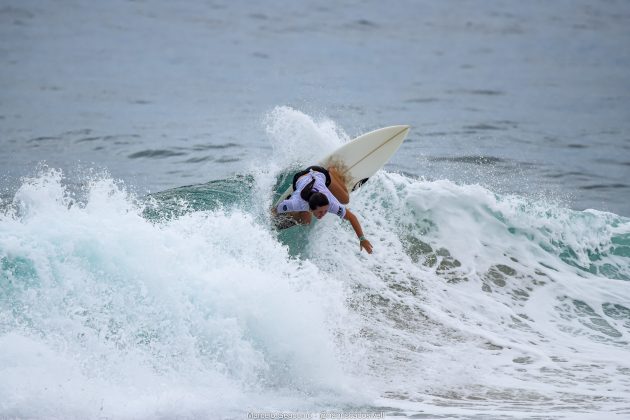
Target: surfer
(318, 191)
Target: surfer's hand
(365, 244)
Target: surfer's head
(318, 203)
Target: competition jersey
(295, 202)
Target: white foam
(141, 317)
(436, 330)
(467, 303)
(299, 139)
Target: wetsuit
(322, 180)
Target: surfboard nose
(401, 129)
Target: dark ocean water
(532, 98)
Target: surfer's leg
(338, 187)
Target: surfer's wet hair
(315, 199)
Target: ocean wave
(190, 296)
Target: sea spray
(467, 288)
(299, 139)
(119, 315)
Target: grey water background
(528, 97)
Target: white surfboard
(359, 159)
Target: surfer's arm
(363, 243)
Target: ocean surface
(141, 143)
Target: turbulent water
(141, 144)
(188, 303)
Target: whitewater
(187, 303)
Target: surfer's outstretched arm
(363, 243)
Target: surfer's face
(320, 211)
